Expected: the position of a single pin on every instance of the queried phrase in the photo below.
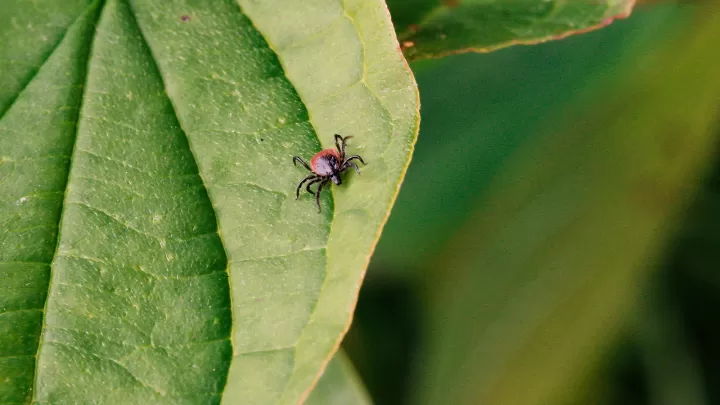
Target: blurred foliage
(383, 337)
(477, 109)
(688, 290)
(518, 116)
(540, 279)
(669, 352)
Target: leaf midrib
(89, 9)
(99, 4)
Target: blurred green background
(557, 238)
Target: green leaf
(535, 288)
(339, 385)
(148, 186)
(435, 28)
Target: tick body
(326, 166)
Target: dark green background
(477, 109)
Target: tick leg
(353, 157)
(341, 148)
(297, 159)
(338, 139)
(348, 165)
(297, 191)
(317, 179)
(317, 194)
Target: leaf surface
(435, 28)
(149, 191)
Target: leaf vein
(253, 133)
(12, 311)
(118, 161)
(16, 356)
(122, 366)
(28, 262)
(115, 218)
(283, 256)
(37, 70)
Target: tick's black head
(335, 177)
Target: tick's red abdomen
(325, 162)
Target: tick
(327, 165)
